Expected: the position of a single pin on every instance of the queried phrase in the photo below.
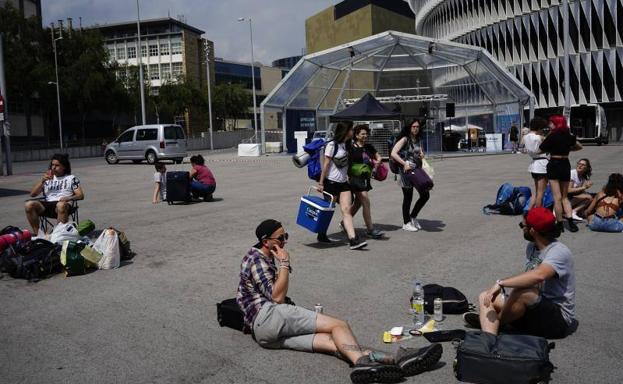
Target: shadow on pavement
(432, 225)
(6, 192)
(387, 227)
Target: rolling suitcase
(178, 187)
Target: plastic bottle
(417, 303)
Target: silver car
(148, 142)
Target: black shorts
(359, 184)
(50, 208)
(335, 188)
(543, 319)
(559, 169)
(539, 176)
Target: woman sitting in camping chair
(61, 190)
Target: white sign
(494, 142)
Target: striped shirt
(257, 275)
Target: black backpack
(454, 301)
(36, 260)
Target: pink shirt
(204, 175)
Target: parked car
(148, 142)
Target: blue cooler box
(315, 213)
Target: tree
(89, 75)
(230, 101)
(26, 70)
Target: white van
(148, 142)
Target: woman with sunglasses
(579, 184)
(409, 146)
(558, 144)
(334, 180)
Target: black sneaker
(368, 371)
(322, 238)
(472, 319)
(573, 227)
(414, 361)
(355, 243)
(560, 226)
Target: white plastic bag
(65, 231)
(108, 245)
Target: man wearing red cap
(541, 301)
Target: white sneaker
(575, 217)
(416, 223)
(409, 227)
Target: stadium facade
(527, 36)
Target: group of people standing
(550, 164)
(350, 163)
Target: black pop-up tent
(367, 108)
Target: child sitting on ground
(160, 183)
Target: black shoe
(368, 371)
(322, 238)
(560, 226)
(355, 243)
(472, 319)
(573, 227)
(208, 197)
(414, 361)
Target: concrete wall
(229, 139)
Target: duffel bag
(453, 300)
(34, 261)
(484, 358)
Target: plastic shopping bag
(428, 169)
(64, 231)
(108, 245)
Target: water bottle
(417, 303)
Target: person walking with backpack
(408, 153)
(538, 166)
(364, 160)
(334, 180)
(558, 144)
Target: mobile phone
(445, 335)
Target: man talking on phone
(59, 188)
(264, 278)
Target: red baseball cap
(541, 219)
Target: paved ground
(154, 320)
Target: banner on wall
(298, 120)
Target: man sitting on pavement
(59, 188)
(264, 279)
(542, 300)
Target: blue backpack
(314, 166)
(509, 200)
(548, 200)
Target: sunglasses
(280, 238)
(582, 164)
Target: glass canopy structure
(417, 76)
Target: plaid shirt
(257, 275)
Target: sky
(278, 25)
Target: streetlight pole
(253, 79)
(567, 108)
(58, 91)
(139, 59)
(207, 51)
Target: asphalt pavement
(154, 319)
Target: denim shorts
(612, 224)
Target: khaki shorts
(286, 326)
